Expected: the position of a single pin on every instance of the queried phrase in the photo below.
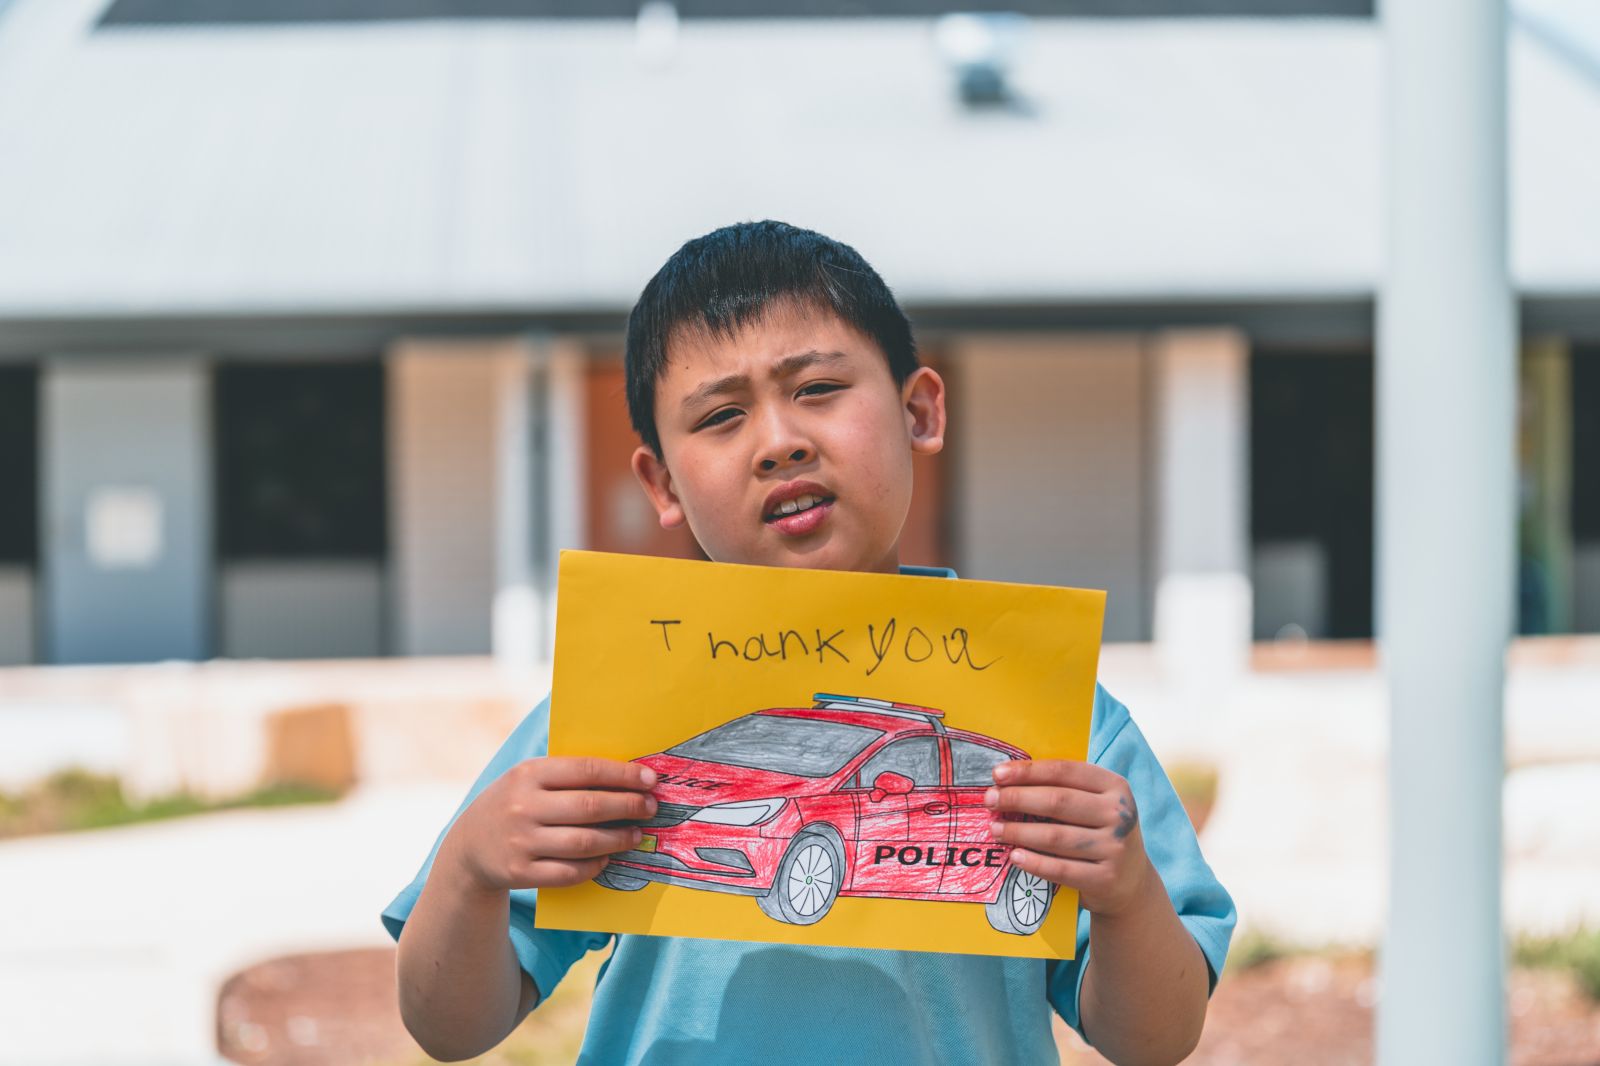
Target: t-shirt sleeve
(545, 954)
(1203, 905)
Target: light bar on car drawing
(829, 701)
(867, 703)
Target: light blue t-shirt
(668, 1000)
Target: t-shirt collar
(927, 571)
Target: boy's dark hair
(731, 277)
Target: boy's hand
(543, 823)
(1089, 837)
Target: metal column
(1446, 408)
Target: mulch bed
(315, 1010)
(339, 1009)
(1317, 1011)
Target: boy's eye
(717, 417)
(819, 388)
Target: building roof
(551, 165)
(197, 12)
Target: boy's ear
(923, 398)
(656, 479)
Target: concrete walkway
(1300, 835)
(114, 943)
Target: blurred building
(310, 313)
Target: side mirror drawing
(889, 783)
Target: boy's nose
(799, 455)
(781, 442)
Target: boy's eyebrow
(712, 389)
(793, 364)
(785, 367)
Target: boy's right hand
(542, 823)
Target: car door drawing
(902, 804)
(972, 774)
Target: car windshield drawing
(805, 747)
(846, 796)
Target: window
(300, 461)
(975, 763)
(916, 758)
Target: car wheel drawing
(808, 880)
(609, 878)
(1023, 902)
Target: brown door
(620, 516)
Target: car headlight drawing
(745, 812)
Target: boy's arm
(542, 823)
(1145, 985)
(462, 989)
(1146, 982)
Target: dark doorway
(302, 527)
(19, 513)
(1586, 486)
(19, 465)
(1311, 488)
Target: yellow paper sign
(823, 742)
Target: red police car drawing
(849, 796)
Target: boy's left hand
(1089, 838)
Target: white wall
(486, 470)
(442, 446)
(43, 735)
(1050, 435)
(1201, 392)
(1201, 419)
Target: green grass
(1195, 783)
(1257, 949)
(1578, 953)
(1253, 948)
(1196, 786)
(78, 799)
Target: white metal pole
(1446, 408)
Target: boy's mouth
(798, 507)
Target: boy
(774, 383)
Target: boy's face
(789, 444)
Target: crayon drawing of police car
(851, 796)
